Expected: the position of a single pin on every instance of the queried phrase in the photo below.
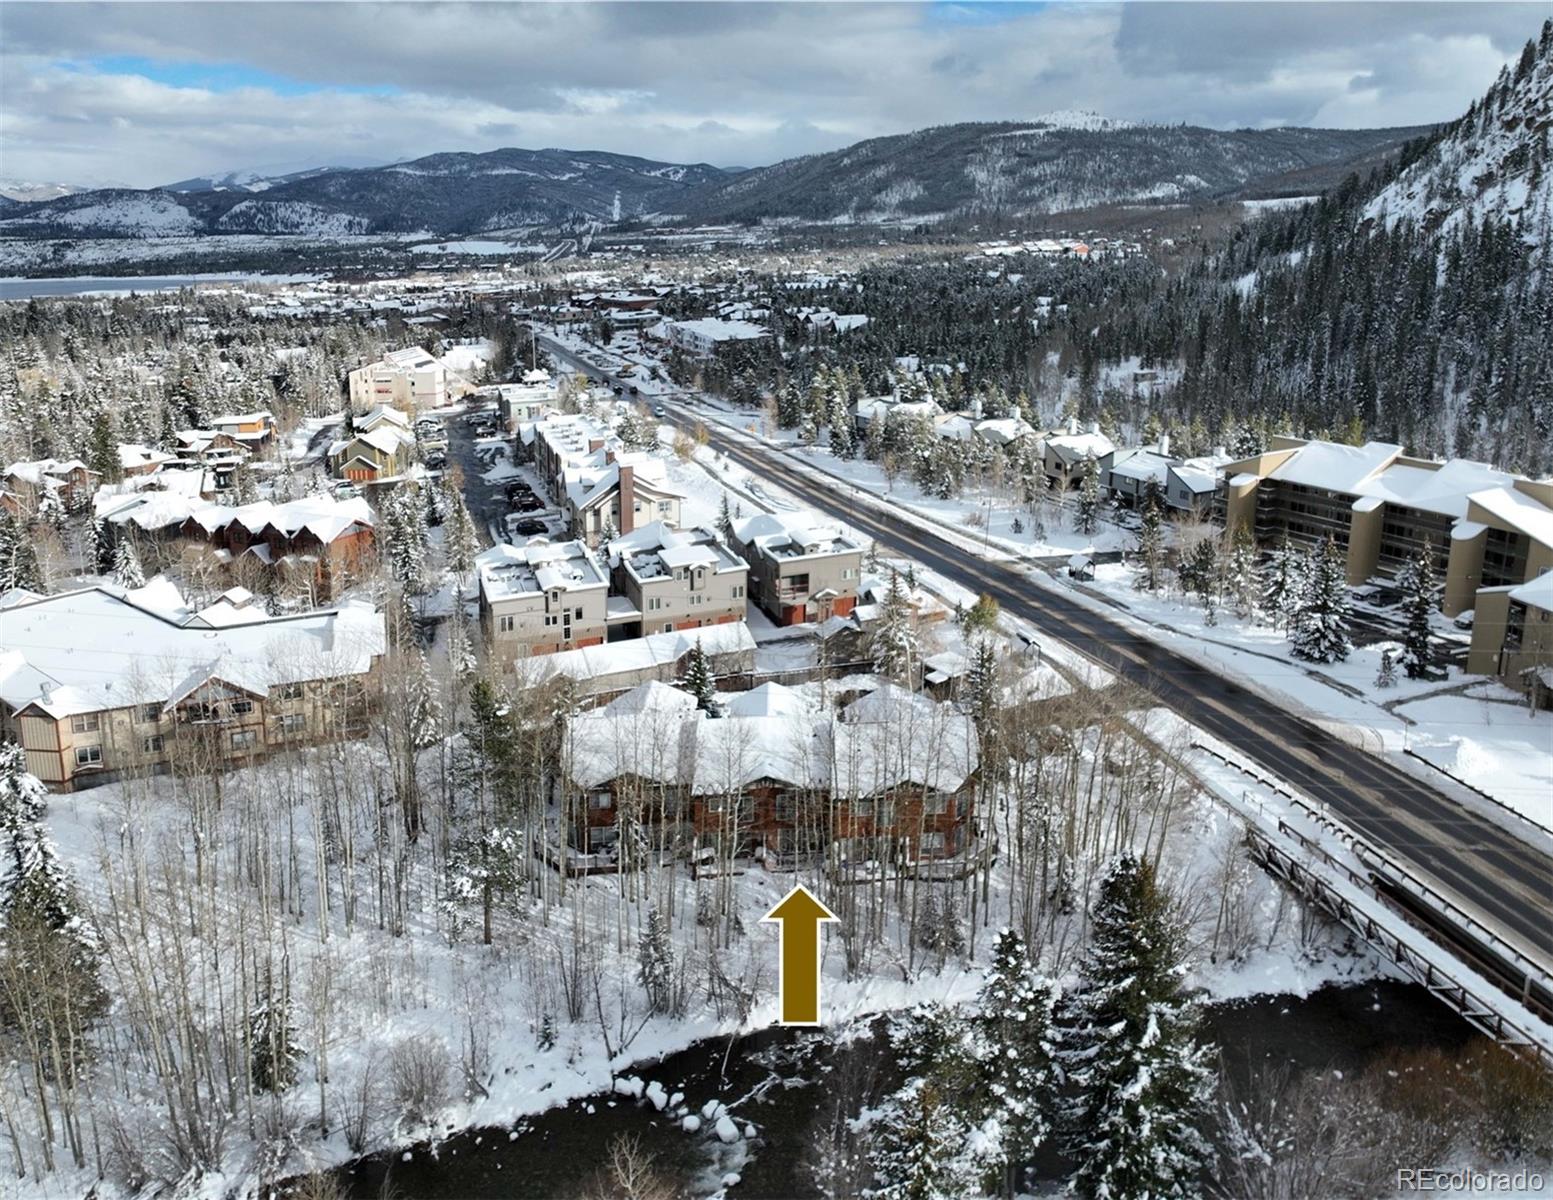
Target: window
(84, 723)
(665, 507)
(668, 627)
(244, 739)
(848, 572)
(601, 800)
(884, 813)
(551, 619)
(88, 756)
(242, 708)
(932, 843)
(738, 591)
(579, 614)
(292, 723)
(936, 804)
(505, 624)
(291, 691)
(151, 712)
(152, 744)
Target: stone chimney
(1164, 445)
(1073, 427)
(627, 499)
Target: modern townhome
(410, 379)
(521, 403)
(620, 494)
(380, 447)
(1072, 455)
(666, 579)
(253, 430)
(891, 780)
(97, 684)
(541, 598)
(1486, 527)
(801, 568)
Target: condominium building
(1486, 528)
(671, 579)
(801, 568)
(541, 598)
(410, 379)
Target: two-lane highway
(1468, 857)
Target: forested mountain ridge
(1493, 161)
(1052, 164)
(440, 193)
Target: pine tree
(1088, 519)
(1151, 541)
(842, 442)
(1017, 1048)
(1283, 583)
(655, 963)
(920, 1147)
(43, 930)
(127, 571)
(1240, 574)
(102, 448)
(1386, 677)
(272, 1045)
(460, 541)
(1416, 582)
(1131, 1047)
(18, 557)
(979, 694)
(725, 520)
(895, 639)
(425, 709)
(700, 682)
(1320, 627)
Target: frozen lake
(120, 285)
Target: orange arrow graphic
(799, 915)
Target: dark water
(788, 1083)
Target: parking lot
(513, 507)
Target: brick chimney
(627, 499)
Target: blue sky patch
(216, 77)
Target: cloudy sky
(145, 93)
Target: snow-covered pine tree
(655, 963)
(725, 520)
(460, 541)
(1017, 1048)
(425, 708)
(1320, 628)
(979, 694)
(1130, 1044)
(1151, 541)
(1386, 677)
(127, 571)
(435, 503)
(18, 558)
(895, 638)
(1416, 582)
(1283, 583)
(1088, 518)
(700, 682)
(920, 1147)
(272, 1046)
(99, 548)
(1240, 575)
(42, 928)
(843, 444)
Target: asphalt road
(1490, 872)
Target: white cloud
(726, 83)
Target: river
(778, 1081)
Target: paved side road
(1494, 872)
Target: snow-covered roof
(768, 700)
(927, 745)
(1076, 446)
(1333, 466)
(99, 648)
(1519, 511)
(323, 516)
(1538, 592)
(378, 414)
(656, 550)
(1142, 465)
(714, 329)
(792, 534)
(643, 653)
(506, 570)
(1441, 490)
(132, 456)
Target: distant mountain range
(1063, 161)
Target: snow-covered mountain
(1060, 162)
(27, 192)
(1496, 161)
(444, 193)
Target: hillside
(443, 193)
(1057, 163)
(1492, 162)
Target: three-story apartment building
(541, 598)
(677, 579)
(801, 569)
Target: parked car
(346, 491)
(436, 461)
(635, 391)
(529, 527)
